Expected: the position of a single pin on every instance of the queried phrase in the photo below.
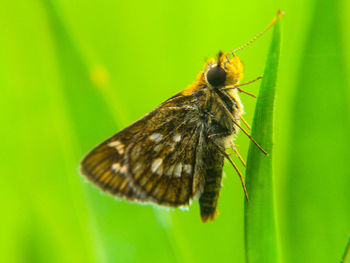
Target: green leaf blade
(260, 228)
(317, 179)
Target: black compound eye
(216, 76)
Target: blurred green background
(72, 73)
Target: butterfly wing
(99, 167)
(154, 159)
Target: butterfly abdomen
(213, 176)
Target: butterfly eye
(216, 76)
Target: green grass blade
(346, 255)
(317, 186)
(260, 229)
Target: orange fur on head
(233, 68)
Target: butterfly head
(218, 72)
(223, 71)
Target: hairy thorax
(226, 130)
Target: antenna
(279, 13)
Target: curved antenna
(279, 13)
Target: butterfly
(175, 154)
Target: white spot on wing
(116, 167)
(156, 137)
(119, 169)
(124, 169)
(169, 172)
(118, 145)
(176, 137)
(178, 170)
(157, 166)
(188, 168)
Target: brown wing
(152, 160)
(99, 166)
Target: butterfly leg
(229, 114)
(219, 135)
(245, 123)
(237, 86)
(225, 134)
(233, 146)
